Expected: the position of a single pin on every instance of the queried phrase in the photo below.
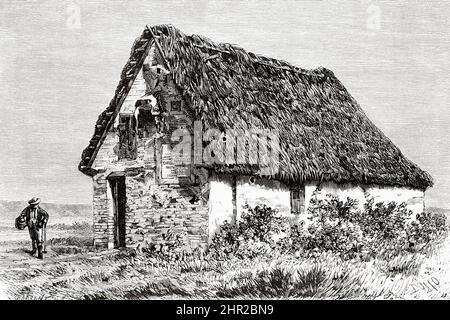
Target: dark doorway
(117, 183)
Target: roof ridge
(221, 47)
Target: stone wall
(102, 212)
(152, 209)
(161, 194)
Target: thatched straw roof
(324, 133)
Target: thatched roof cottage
(176, 87)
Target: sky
(60, 62)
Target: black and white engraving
(250, 150)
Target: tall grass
(125, 275)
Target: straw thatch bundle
(324, 133)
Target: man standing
(35, 218)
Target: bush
(261, 223)
(425, 230)
(252, 236)
(171, 248)
(379, 230)
(225, 242)
(384, 228)
(334, 227)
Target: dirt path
(15, 258)
(19, 271)
(15, 245)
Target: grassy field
(72, 270)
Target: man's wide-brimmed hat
(34, 201)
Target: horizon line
(48, 202)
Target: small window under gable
(298, 200)
(145, 119)
(146, 109)
(175, 106)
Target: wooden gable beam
(159, 49)
(113, 115)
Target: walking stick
(44, 236)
